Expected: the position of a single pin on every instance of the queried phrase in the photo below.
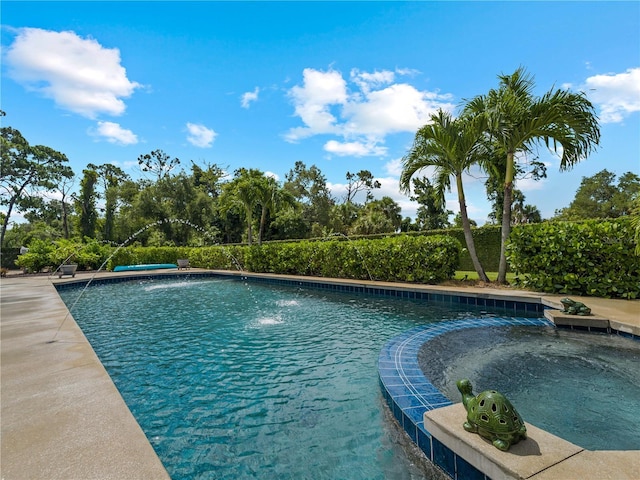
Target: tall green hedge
(487, 243)
(486, 238)
(403, 258)
(595, 258)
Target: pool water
(583, 387)
(231, 380)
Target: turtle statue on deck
(492, 416)
(575, 308)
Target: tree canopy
(27, 171)
(600, 196)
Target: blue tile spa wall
(409, 394)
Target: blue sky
(340, 85)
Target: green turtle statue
(492, 416)
(575, 308)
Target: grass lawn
(472, 276)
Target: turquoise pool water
(231, 380)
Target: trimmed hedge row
(403, 259)
(487, 243)
(594, 258)
(232, 256)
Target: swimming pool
(235, 380)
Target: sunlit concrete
(62, 416)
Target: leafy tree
(358, 182)
(457, 221)
(522, 213)
(26, 171)
(128, 220)
(158, 163)
(408, 225)
(372, 221)
(378, 216)
(52, 211)
(517, 121)
(451, 146)
(289, 223)
(494, 184)
(65, 187)
(635, 222)
(390, 208)
(111, 177)
(431, 214)
(343, 216)
(599, 197)
(86, 203)
(208, 179)
(309, 187)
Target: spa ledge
(542, 456)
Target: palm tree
(243, 192)
(517, 121)
(451, 146)
(270, 197)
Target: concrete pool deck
(63, 418)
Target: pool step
(590, 322)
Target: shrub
(88, 256)
(486, 240)
(38, 256)
(593, 258)
(403, 258)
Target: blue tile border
(509, 307)
(409, 394)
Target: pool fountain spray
(125, 243)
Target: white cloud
(394, 167)
(249, 97)
(114, 133)
(200, 136)
(356, 149)
(528, 184)
(313, 100)
(366, 80)
(364, 115)
(269, 174)
(78, 74)
(397, 108)
(618, 95)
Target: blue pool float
(148, 266)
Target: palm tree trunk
(249, 229)
(506, 218)
(468, 236)
(263, 220)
